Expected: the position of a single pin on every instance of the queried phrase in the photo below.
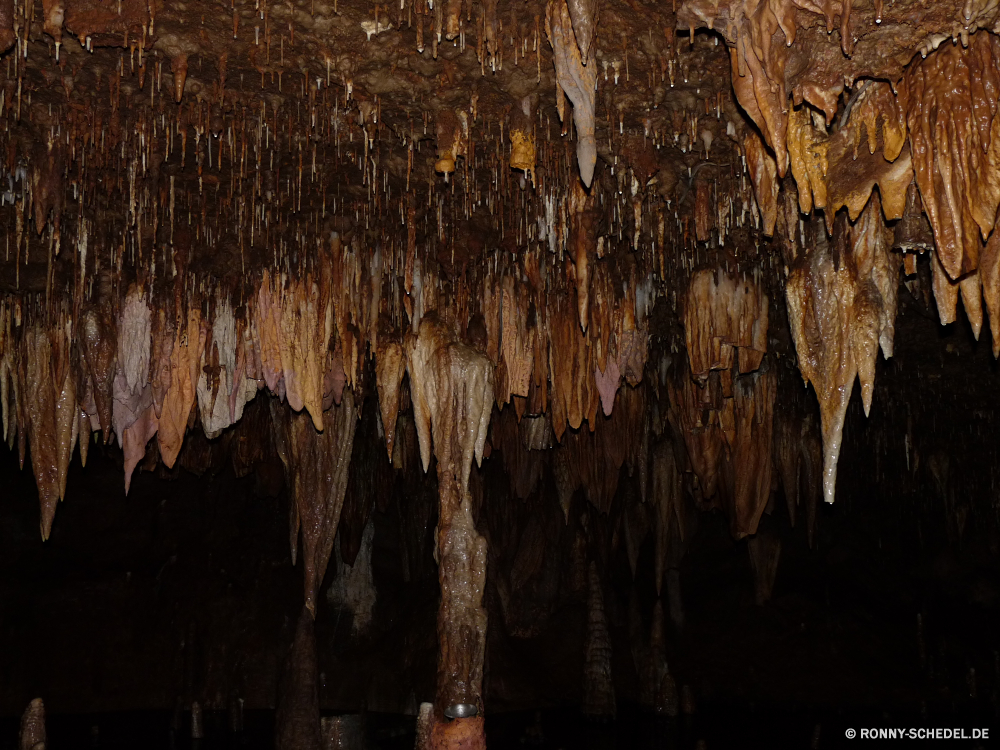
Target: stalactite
(7, 37)
(316, 464)
(576, 75)
(98, 341)
(839, 316)
(452, 137)
(42, 394)
(390, 365)
(179, 399)
(584, 16)
(749, 471)
(764, 175)
(354, 587)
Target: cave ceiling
(582, 234)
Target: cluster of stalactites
(760, 53)
(147, 367)
(936, 128)
(723, 405)
(841, 297)
(955, 137)
(724, 316)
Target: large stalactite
(317, 465)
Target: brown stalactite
(583, 241)
(839, 316)
(807, 152)
(42, 394)
(452, 139)
(584, 16)
(179, 67)
(284, 225)
(98, 340)
(163, 336)
(727, 432)
(764, 175)
(390, 366)
(316, 465)
(989, 273)
(179, 399)
(576, 75)
(54, 12)
(702, 211)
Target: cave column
(461, 625)
(452, 392)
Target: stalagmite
(598, 687)
(33, 735)
(452, 394)
(297, 723)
